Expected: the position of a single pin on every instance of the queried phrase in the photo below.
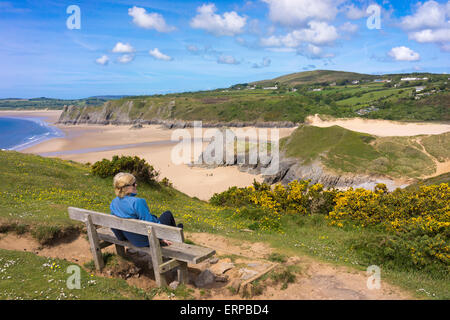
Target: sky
(76, 49)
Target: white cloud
(229, 24)
(354, 13)
(430, 35)
(192, 49)
(225, 59)
(349, 27)
(123, 48)
(428, 15)
(126, 58)
(445, 47)
(103, 60)
(403, 54)
(429, 24)
(159, 55)
(314, 52)
(265, 63)
(149, 20)
(318, 33)
(296, 13)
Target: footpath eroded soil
(237, 261)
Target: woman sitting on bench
(127, 205)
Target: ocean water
(20, 133)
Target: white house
(418, 89)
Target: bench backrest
(131, 225)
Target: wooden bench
(163, 259)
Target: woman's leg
(167, 219)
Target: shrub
(266, 206)
(143, 171)
(419, 222)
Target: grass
(346, 151)
(443, 178)
(26, 276)
(37, 191)
(438, 146)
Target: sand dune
(382, 128)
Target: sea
(21, 133)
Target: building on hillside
(413, 79)
(271, 88)
(382, 80)
(365, 111)
(418, 89)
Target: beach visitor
(127, 205)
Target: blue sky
(139, 47)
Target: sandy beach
(381, 128)
(91, 143)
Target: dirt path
(441, 167)
(316, 280)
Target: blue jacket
(130, 207)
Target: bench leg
(94, 243)
(120, 250)
(155, 252)
(183, 276)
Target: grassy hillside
(443, 178)
(316, 76)
(346, 151)
(289, 98)
(35, 193)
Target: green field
(35, 193)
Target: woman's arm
(144, 212)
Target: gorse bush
(143, 171)
(296, 197)
(421, 219)
(414, 225)
(266, 206)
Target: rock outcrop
(290, 169)
(122, 115)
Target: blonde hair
(121, 181)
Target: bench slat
(173, 234)
(179, 251)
